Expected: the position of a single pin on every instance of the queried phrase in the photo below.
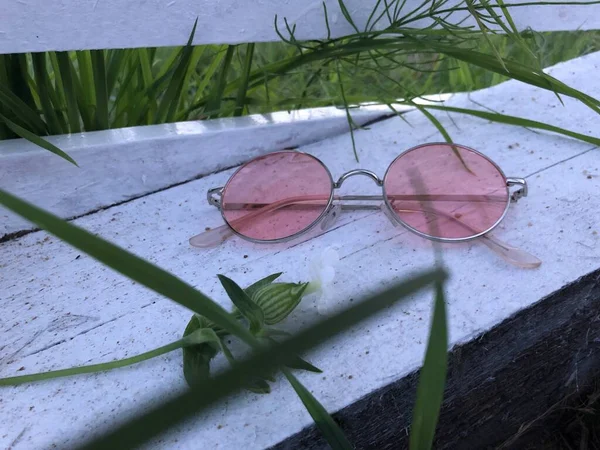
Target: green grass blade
(138, 429)
(518, 121)
(116, 60)
(210, 71)
(99, 72)
(240, 100)
(92, 368)
(214, 104)
(190, 80)
(22, 112)
(324, 422)
(45, 93)
(170, 100)
(60, 104)
(70, 91)
(33, 138)
(432, 378)
(86, 91)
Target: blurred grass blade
(99, 72)
(432, 378)
(127, 264)
(34, 139)
(324, 422)
(138, 429)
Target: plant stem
(13, 381)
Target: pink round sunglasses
(458, 195)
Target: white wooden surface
(38, 25)
(61, 309)
(118, 165)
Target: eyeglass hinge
(213, 196)
(519, 193)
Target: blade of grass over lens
(139, 429)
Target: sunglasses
(440, 191)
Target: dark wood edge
(505, 378)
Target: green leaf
(199, 350)
(324, 422)
(432, 379)
(300, 364)
(26, 134)
(250, 290)
(278, 300)
(247, 307)
(136, 430)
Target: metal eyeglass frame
(329, 214)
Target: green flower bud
(278, 300)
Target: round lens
(446, 191)
(276, 195)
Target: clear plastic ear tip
(510, 254)
(211, 238)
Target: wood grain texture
(61, 308)
(39, 25)
(118, 165)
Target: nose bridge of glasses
(352, 173)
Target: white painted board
(40, 25)
(77, 312)
(121, 164)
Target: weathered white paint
(39, 25)
(117, 165)
(78, 312)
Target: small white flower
(322, 273)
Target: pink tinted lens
(276, 195)
(438, 193)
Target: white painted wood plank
(39, 25)
(79, 313)
(117, 165)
